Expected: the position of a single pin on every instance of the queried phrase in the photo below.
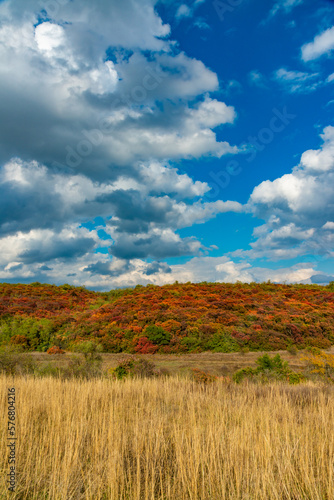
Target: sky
(154, 141)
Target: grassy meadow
(169, 438)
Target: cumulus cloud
(104, 101)
(104, 104)
(108, 71)
(97, 272)
(297, 207)
(140, 216)
(157, 267)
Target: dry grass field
(181, 364)
(169, 438)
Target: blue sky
(153, 141)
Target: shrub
(85, 368)
(14, 362)
(145, 346)
(89, 349)
(269, 368)
(223, 342)
(295, 378)
(132, 367)
(292, 349)
(157, 335)
(202, 377)
(191, 343)
(49, 370)
(320, 363)
(55, 350)
(20, 340)
(123, 369)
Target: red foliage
(55, 350)
(145, 346)
(19, 340)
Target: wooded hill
(220, 317)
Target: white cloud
(297, 207)
(49, 37)
(142, 213)
(323, 44)
(297, 81)
(97, 272)
(285, 6)
(183, 11)
(88, 91)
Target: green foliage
(157, 335)
(222, 342)
(89, 349)
(191, 343)
(244, 373)
(269, 368)
(38, 332)
(275, 363)
(123, 369)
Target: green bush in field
(269, 368)
(90, 350)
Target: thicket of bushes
(177, 318)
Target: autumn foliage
(55, 350)
(176, 318)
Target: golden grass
(169, 439)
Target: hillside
(174, 318)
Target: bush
(55, 350)
(14, 362)
(145, 346)
(85, 368)
(89, 349)
(157, 335)
(202, 377)
(292, 349)
(123, 369)
(320, 363)
(269, 369)
(223, 342)
(191, 343)
(37, 332)
(132, 367)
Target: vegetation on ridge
(178, 318)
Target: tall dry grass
(169, 439)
